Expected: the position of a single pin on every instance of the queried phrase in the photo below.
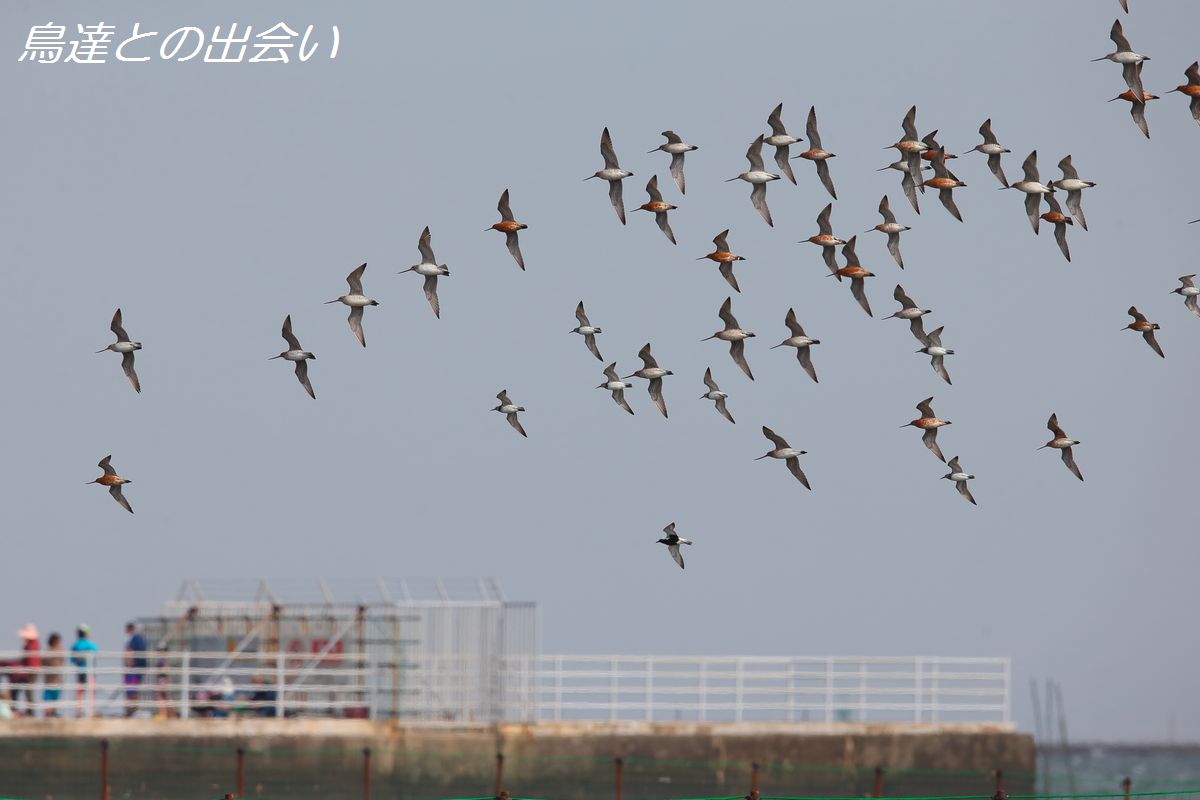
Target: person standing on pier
(135, 667)
(52, 676)
(83, 653)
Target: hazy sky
(209, 200)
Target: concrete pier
(567, 761)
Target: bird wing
(516, 423)
(793, 324)
(1029, 166)
(607, 152)
(590, 340)
(737, 350)
(647, 358)
(581, 315)
(930, 440)
(909, 184)
(893, 246)
(1075, 206)
(858, 289)
(776, 122)
(431, 295)
(985, 130)
(655, 390)
(917, 326)
(288, 336)
(823, 174)
(925, 407)
(1060, 236)
(127, 365)
(902, 298)
(782, 160)
(993, 162)
(1069, 459)
(754, 155)
(954, 465)
(804, 356)
(709, 382)
(1068, 169)
(849, 254)
(885, 210)
(939, 366)
(672, 137)
(726, 314)
(909, 124)
(619, 399)
(117, 328)
(677, 172)
(514, 248)
(1138, 112)
(424, 244)
(965, 492)
(934, 337)
(302, 376)
(106, 465)
(117, 495)
(1033, 207)
(664, 225)
(504, 208)
(610, 372)
(726, 270)
(354, 279)
(615, 197)
(355, 320)
(1118, 37)
(947, 198)
(724, 411)
(652, 189)
(1153, 342)
(823, 220)
(720, 241)
(810, 129)
(1137, 315)
(758, 196)
(793, 465)
(775, 438)
(675, 554)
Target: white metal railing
(921, 689)
(187, 684)
(764, 688)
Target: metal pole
(619, 764)
(878, 782)
(241, 772)
(753, 781)
(499, 774)
(104, 792)
(1000, 793)
(366, 773)
(1127, 786)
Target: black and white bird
(510, 409)
(297, 354)
(125, 347)
(617, 386)
(1064, 443)
(960, 479)
(715, 394)
(587, 330)
(672, 540)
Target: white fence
(776, 689)
(651, 688)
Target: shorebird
(933, 348)
(1033, 188)
(430, 269)
(672, 540)
(1064, 443)
(658, 207)
(733, 334)
(945, 182)
(113, 481)
(724, 258)
(892, 228)
(1128, 59)
(510, 410)
(1060, 221)
(653, 373)
(125, 347)
(509, 226)
(854, 271)
(929, 422)
(715, 394)
(817, 154)
(1137, 108)
(1073, 186)
(1144, 327)
(616, 386)
(992, 148)
(1191, 88)
(908, 183)
(1189, 293)
(757, 177)
(587, 330)
(677, 148)
(297, 354)
(909, 311)
(801, 341)
(960, 479)
(612, 173)
(786, 452)
(780, 139)
(825, 239)
(357, 301)
(910, 145)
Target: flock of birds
(918, 155)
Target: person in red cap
(24, 677)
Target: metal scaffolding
(437, 648)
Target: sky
(208, 201)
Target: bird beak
(272, 358)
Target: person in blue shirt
(135, 667)
(81, 656)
